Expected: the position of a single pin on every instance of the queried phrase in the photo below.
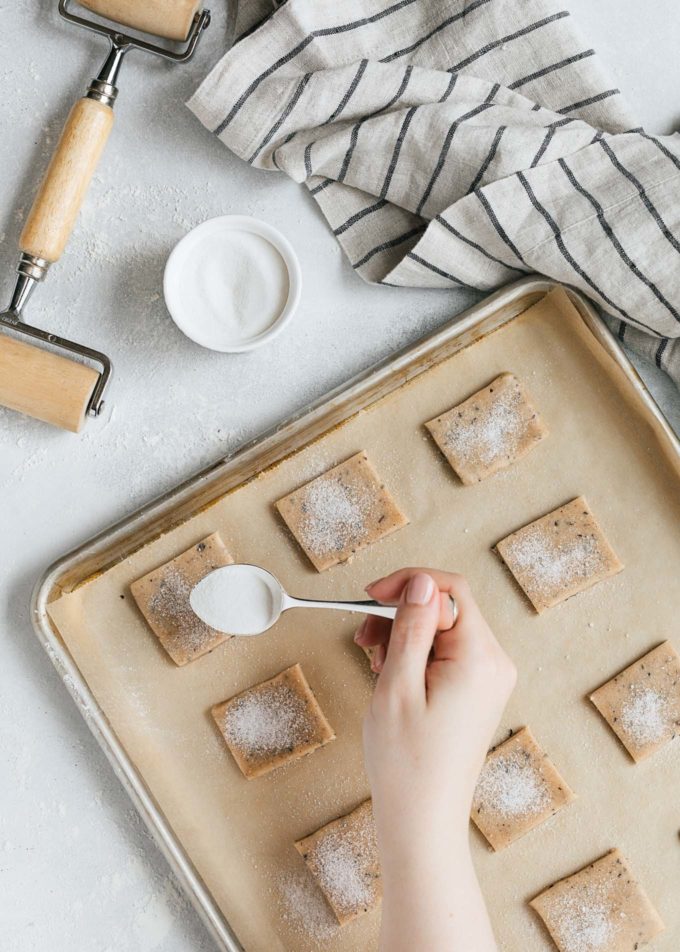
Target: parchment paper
(240, 834)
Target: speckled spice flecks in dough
(489, 431)
(163, 598)
(518, 789)
(273, 723)
(559, 555)
(340, 512)
(642, 703)
(343, 858)
(602, 908)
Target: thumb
(413, 632)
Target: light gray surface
(76, 869)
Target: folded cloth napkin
(462, 143)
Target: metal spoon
(248, 600)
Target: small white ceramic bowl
(199, 241)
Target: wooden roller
(171, 19)
(45, 385)
(61, 194)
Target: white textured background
(77, 871)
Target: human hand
(437, 703)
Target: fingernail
(372, 584)
(360, 632)
(378, 659)
(420, 590)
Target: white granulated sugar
(495, 433)
(583, 923)
(644, 716)
(334, 515)
(304, 908)
(552, 565)
(268, 721)
(510, 785)
(170, 604)
(340, 869)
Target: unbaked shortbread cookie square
(489, 431)
(343, 858)
(163, 598)
(559, 555)
(602, 908)
(273, 723)
(642, 703)
(518, 789)
(341, 512)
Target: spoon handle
(366, 607)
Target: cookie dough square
(343, 859)
(489, 431)
(162, 596)
(602, 908)
(518, 789)
(642, 703)
(273, 723)
(559, 555)
(340, 512)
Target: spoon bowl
(249, 600)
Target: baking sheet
(239, 834)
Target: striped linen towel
(462, 144)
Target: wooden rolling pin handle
(62, 192)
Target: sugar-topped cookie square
(341, 512)
(273, 723)
(163, 598)
(559, 555)
(642, 703)
(602, 908)
(518, 789)
(343, 859)
(490, 430)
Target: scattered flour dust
(582, 923)
(268, 721)
(552, 566)
(493, 434)
(644, 716)
(334, 515)
(510, 785)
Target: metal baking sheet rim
(471, 323)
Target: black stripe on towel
(620, 250)
(662, 148)
(303, 44)
(489, 159)
(621, 333)
(447, 145)
(353, 219)
(473, 244)
(350, 92)
(440, 272)
(386, 245)
(449, 89)
(292, 103)
(660, 350)
(354, 135)
(588, 102)
(569, 258)
(507, 39)
(569, 61)
(469, 8)
(321, 186)
(493, 218)
(644, 197)
(552, 128)
(410, 113)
